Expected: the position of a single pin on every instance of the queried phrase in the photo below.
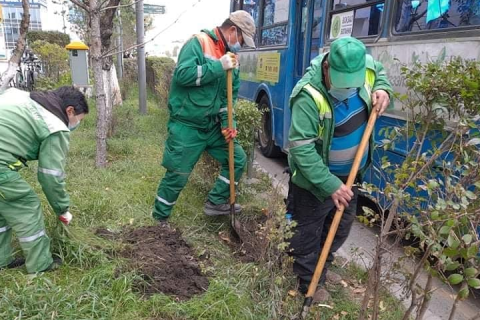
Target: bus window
(252, 7)
(316, 28)
(422, 15)
(356, 18)
(275, 18)
(237, 5)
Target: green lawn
(91, 284)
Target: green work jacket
(30, 132)
(198, 94)
(313, 124)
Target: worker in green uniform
(198, 113)
(330, 108)
(34, 126)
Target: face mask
(342, 94)
(235, 47)
(74, 126)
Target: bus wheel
(267, 145)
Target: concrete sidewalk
(359, 248)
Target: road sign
(153, 9)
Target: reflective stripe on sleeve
(225, 180)
(32, 238)
(52, 172)
(199, 75)
(222, 110)
(165, 201)
(4, 229)
(299, 143)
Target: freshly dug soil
(252, 242)
(166, 263)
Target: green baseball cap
(347, 63)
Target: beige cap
(245, 22)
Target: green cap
(347, 63)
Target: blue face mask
(236, 46)
(342, 94)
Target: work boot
(18, 262)
(333, 278)
(163, 223)
(321, 295)
(57, 262)
(220, 209)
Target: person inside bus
(198, 114)
(330, 107)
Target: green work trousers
(20, 211)
(183, 148)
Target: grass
(89, 285)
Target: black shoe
(57, 262)
(17, 262)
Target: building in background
(11, 17)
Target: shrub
(52, 37)
(249, 120)
(159, 76)
(54, 59)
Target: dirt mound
(166, 263)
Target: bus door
(308, 42)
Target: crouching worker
(330, 109)
(34, 126)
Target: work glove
(229, 134)
(229, 61)
(65, 218)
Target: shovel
(231, 154)
(338, 216)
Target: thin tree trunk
(95, 50)
(426, 298)
(454, 308)
(14, 61)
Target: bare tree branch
(80, 5)
(119, 6)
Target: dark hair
(71, 96)
(228, 23)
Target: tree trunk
(112, 88)
(14, 61)
(96, 52)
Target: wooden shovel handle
(338, 214)
(231, 164)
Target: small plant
(433, 190)
(249, 120)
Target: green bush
(54, 59)
(159, 76)
(52, 37)
(249, 120)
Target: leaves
(455, 278)
(474, 283)
(453, 242)
(467, 239)
(470, 272)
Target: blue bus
(292, 32)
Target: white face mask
(72, 127)
(342, 94)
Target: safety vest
(324, 109)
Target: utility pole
(142, 77)
(120, 47)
